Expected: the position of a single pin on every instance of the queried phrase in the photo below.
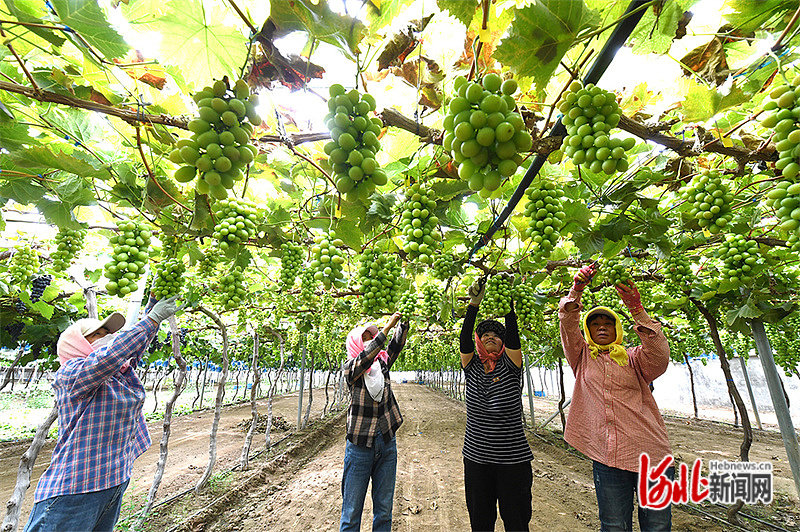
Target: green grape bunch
(484, 133)
(208, 264)
(785, 199)
(740, 257)
(431, 301)
(291, 262)
(407, 305)
(170, 246)
(219, 147)
(678, 274)
(590, 113)
(786, 343)
(379, 276)
(169, 279)
(781, 116)
(236, 223)
(354, 143)
(497, 298)
(327, 261)
(445, 266)
(527, 308)
(307, 284)
(128, 258)
(419, 224)
(545, 214)
(606, 296)
(24, 264)
(616, 270)
(231, 288)
(709, 199)
(68, 243)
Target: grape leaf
(463, 10)
(541, 34)
(32, 11)
(702, 103)
(320, 21)
(196, 41)
(14, 135)
(87, 19)
(57, 213)
(655, 32)
(76, 191)
(747, 15)
(42, 159)
(386, 13)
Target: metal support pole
(530, 388)
(750, 391)
(302, 378)
(551, 418)
(778, 401)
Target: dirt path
(188, 450)
(300, 489)
(430, 493)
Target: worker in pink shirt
(614, 417)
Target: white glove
(163, 309)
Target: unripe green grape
(68, 243)
(740, 260)
(236, 223)
(545, 214)
(444, 266)
(379, 276)
(24, 264)
(498, 296)
(678, 274)
(231, 288)
(291, 263)
(526, 307)
(419, 224)
(709, 200)
(327, 261)
(431, 301)
(407, 306)
(169, 279)
(617, 271)
(131, 251)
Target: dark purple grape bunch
(39, 285)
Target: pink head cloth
(355, 344)
(73, 344)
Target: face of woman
(99, 333)
(366, 336)
(603, 329)
(491, 341)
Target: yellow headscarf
(616, 350)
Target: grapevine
(497, 298)
(484, 133)
(130, 254)
(24, 263)
(590, 113)
(709, 199)
(546, 216)
(355, 142)
(418, 224)
(219, 147)
(68, 243)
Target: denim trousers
(614, 488)
(361, 464)
(95, 511)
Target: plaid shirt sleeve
(83, 375)
(397, 343)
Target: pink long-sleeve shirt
(613, 417)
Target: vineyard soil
(301, 490)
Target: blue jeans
(96, 511)
(360, 464)
(614, 488)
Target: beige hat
(114, 322)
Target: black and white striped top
(494, 432)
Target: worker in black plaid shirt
(372, 421)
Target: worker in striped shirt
(614, 417)
(101, 428)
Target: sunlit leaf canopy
(95, 95)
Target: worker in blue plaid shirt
(101, 428)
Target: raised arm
(397, 342)
(651, 358)
(466, 343)
(355, 367)
(569, 317)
